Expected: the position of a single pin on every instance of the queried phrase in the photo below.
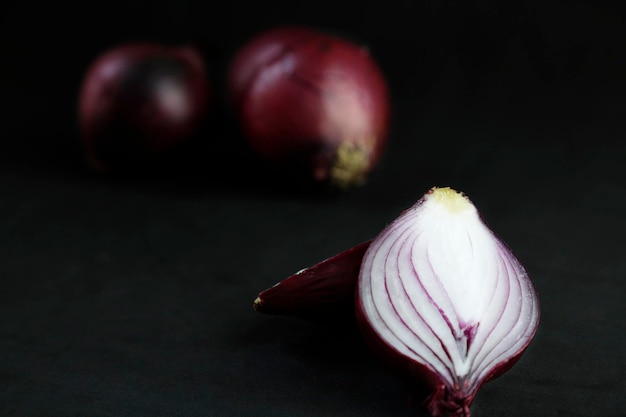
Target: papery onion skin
(323, 292)
(313, 103)
(139, 101)
(427, 354)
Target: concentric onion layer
(442, 290)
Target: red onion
(446, 299)
(311, 101)
(139, 101)
(437, 293)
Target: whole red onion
(140, 100)
(312, 101)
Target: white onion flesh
(443, 291)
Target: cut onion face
(442, 296)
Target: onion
(445, 299)
(312, 102)
(139, 101)
(436, 293)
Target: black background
(133, 297)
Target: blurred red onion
(138, 101)
(313, 101)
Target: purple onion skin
(323, 292)
(313, 103)
(139, 101)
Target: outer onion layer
(311, 102)
(443, 297)
(322, 292)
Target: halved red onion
(446, 299)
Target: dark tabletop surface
(133, 296)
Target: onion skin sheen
(445, 301)
(312, 103)
(139, 101)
